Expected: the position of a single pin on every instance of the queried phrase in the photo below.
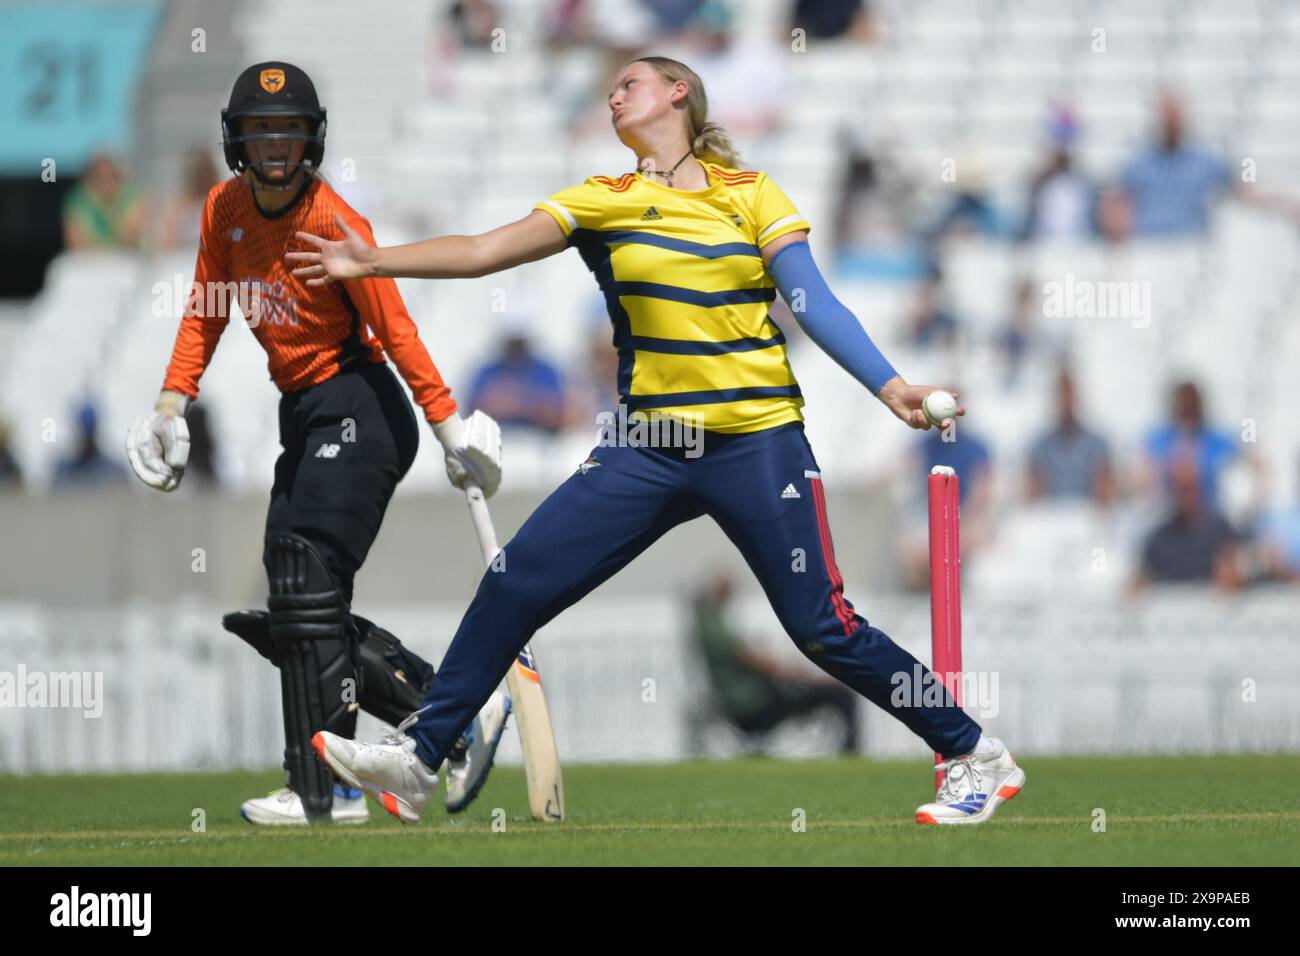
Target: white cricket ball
(938, 406)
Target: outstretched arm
(534, 237)
(837, 331)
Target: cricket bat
(536, 736)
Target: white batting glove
(159, 448)
(473, 450)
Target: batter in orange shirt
(348, 436)
(308, 333)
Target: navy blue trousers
(764, 490)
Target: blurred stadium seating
(418, 161)
(426, 137)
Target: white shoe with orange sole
(388, 771)
(974, 786)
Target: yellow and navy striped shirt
(688, 294)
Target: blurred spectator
(1019, 338)
(472, 23)
(1279, 544)
(969, 456)
(672, 16)
(87, 468)
(858, 180)
(1172, 185)
(1114, 215)
(566, 24)
(104, 210)
(1061, 201)
(828, 19)
(1169, 189)
(1187, 435)
(965, 453)
(1196, 544)
(460, 29)
(199, 468)
(970, 212)
(11, 475)
(756, 693)
(874, 211)
(932, 322)
(616, 28)
(745, 82)
(179, 224)
(520, 389)
(1070, 461)
(595, 381)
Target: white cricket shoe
(467, 768)
(388, 771)
(283, 808)
(974, 785)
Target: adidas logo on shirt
(327, 450)
(650, 215)
(791, 491)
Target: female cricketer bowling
(688, 251)
(348, 435)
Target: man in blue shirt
(87, 467)
(1171, 187)
(520, 389)
(967, 454)
(1188, 436)
(1070, 461)
(1279, 543)
(1195, 544)
(970, 458)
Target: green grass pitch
(1194, 811)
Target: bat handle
(478, 512)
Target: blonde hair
(709, 141)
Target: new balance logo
(327, 451)
(791, 491)
(650, 215)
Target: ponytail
(712, 144)
(709, 141)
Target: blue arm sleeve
(827, 321)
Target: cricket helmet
(273, 88)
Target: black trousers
(347, 443)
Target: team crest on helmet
(272, 80)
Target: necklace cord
(668, 176)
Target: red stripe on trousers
(828, 555)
